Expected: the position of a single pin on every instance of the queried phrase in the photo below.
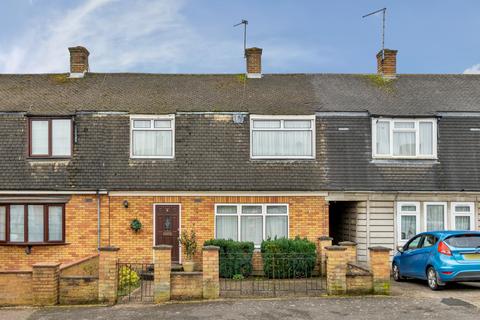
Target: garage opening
(343, 217)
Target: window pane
(61, 137)
(55, 225)
(162, 123)
(297, 124)
(252, 229)
(404, 125)
(35, 223)
(17, 226)
(227, 209)
(152, 143)
(3, 221)
(426, 138)
(252, 209)
(277, 210)
(414, 243)
(276, 226)
(383, 137)
(408, 227)
(461, 208)
(403, 144)
(435, 217)
(462, 223)
(409, 208)
(282, 143)
(39, 137)
(141, 123)
(227, 227)
(266, 123)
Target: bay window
(251, 222)
(462, 216)
(152, 137)
(282, 137)
(32, 223)
(50, 138)
(404, 138)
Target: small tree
(189, 243)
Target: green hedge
(288, 258)
(235, 257)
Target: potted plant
(188, 241)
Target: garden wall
(16, 288)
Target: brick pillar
(322, 242)
(351, 251)
(211, 275)
(45, 286)
(107, 275)
(336, 270)
(163, 267)
(380, 267)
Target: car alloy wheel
(432, 279)
(396, 273)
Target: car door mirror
(400, 249)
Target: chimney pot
(254, 62)
(78, 61)
(387, 63)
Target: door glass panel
(167, 223)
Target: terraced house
(369, 158)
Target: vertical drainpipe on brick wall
(98, 218)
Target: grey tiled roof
(273, 94)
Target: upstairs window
(282, 137)
(152, 137)
(51, 138)
(404, 138)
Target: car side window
(429, 241)
(414, 243)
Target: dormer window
(282, 137)
(152, 137)
(404, 138)
(50, 138)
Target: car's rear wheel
(432, 278)
(396, 273)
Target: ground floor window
(435, 216)
(408, 220)
(32, 223)
(463, 216)
(251, 222)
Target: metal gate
(282, 275)
(135, 282)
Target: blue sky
(196, 36)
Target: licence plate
(472, 256)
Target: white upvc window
(251, 222)
(282, 137)
(152, 137)
(435, 215)
(463, 216)
(404, 138)
(408, 220)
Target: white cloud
(475, 69)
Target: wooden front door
(167, 223)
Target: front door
(167, 219)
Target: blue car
(439, 257)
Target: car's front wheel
(396, 273)
(432, 277)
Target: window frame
(416, 129)
(401, 213)
(26, 241)
(152, 119)
(239, 214)
(454, 214)
(425, 215)
(49, 155)
(282, 118)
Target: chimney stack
(78, 61)
(254, 62)
(387, 63)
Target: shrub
(235, 257)
(128, 278)
(288, 258)
(189, 243)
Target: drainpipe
(98, 218)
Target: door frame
(179, 224)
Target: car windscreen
(464, 241)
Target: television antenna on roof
(244, 22)
(384, 10)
